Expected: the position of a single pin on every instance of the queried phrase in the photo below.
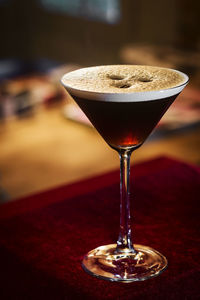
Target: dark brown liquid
(124, 124)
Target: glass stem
(124, 243)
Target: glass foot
(104, 262)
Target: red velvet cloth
(44, 237)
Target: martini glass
(125, 120)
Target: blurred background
(45, 141)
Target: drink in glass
(124, 103)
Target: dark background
(29, 31)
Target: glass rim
(113, 96)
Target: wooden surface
(46, 150)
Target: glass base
(106, 263)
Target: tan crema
(123, 79)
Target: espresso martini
(125, 107)
(124, 103)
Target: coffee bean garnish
(125, 86)
(145, 79)
(115, 77)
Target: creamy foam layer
(125, 82)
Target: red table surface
(44, 237)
